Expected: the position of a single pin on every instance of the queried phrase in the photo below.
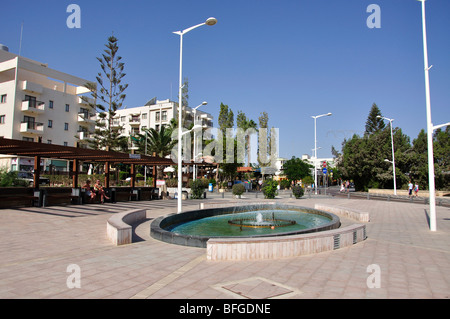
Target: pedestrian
(410, 189)
(416, 189)
(347, 185)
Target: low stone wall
(119, 229)
(357, 215)
(219, 249)
(404, 192)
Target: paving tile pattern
(38, 244)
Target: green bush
(9, 179)
(270, 189)
(298, 191)
(197, 188)
(285, 184)
(238, 189)
(123, 175)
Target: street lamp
(430, 127)
(392, 144)
(315, 148)
(210, 22)
(194, 170)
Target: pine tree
(374, 123)
(109, 96)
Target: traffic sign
(324, 170)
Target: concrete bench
(357, 215)
(119, 229)
(284, 246)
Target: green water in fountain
(217, 226)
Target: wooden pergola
(77, 155)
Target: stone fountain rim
(159, 227)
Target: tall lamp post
(430, 127)
(315, 148)
(210, 22)
(392, 144)
(194, 110)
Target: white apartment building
(156, 114)
(38, 103)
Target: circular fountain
(195, 228)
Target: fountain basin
(169, 228)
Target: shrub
(238, 189)
(197, 189)
(123, 175)
(171, 182)
(285, 184)
(270, 189)
(9, 178)
(298, 191)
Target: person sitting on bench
(89, 191)
(98, 188)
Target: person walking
(410, 188)
(416, 189)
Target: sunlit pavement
(63, 252)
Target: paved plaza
(39, 244)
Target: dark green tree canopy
(374, 123)
(296, 169)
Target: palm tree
(158, 142)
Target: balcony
(84, 136)
(32, 87)
(32, 128)
(135, 120)
(88, 101)
(32, 106)
(86, 118)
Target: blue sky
(290, 58)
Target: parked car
(28, 178)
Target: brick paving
(38, 244)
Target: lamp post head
(205, 103)
(211, 21)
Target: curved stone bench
(358, 215)
(284, 246)
(119, 229)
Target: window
(67, 107)
(144, 116)
(66, 144)
(27, 139)
(30, 122)
(50, 123)
(157, 127)
(66, 126)
(164, 115)
(2, 119)
(32, 100)
(50, 104)
(157, 118)
(49, 141)
(122, 118)
(3, 98)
